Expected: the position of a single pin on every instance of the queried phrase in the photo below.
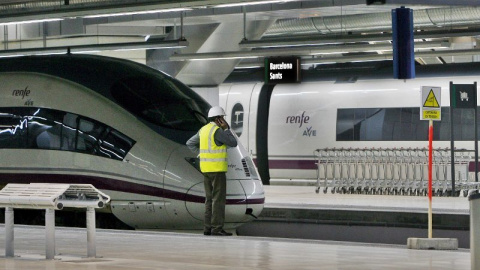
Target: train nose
(242, 169)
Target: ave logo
(309, 131)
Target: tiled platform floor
(162, 250)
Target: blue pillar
(402, 42)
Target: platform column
(50, 233)
(474, 200)
(9, 232)
(91, 241)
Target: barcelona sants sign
(282, 70)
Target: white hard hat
(216, 111)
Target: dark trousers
(215, 197)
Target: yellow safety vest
(213, 158)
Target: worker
(212, 141)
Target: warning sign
(430, 103)
(431, 100)
(434, 115)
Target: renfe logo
(21, 93)
(298, 119)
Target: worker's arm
(194, 143)
(224, 135)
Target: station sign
(431, 103)
(282, 70)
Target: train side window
(116, 145)
(401, 124)
(371, 128)
(345, 124)
(45, 129)
(69, 132)
(87, 136)
(457, 124)
(13, 129)
(443, 126)
(42, 128)
(467, 126)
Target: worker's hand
(222, 123)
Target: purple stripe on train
(288, 164)
(114, 185)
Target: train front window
(164, 102)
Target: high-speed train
(358, 107)
(122, 127)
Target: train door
(247, 107)
(236, 100)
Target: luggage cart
(393, 171)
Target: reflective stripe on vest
(213, 158)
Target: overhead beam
(324, 39)
(302, 51)
(123, 46)
(59, 10)
(377, 57)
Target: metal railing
(392, 171)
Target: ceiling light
(31, 21)
(253, 3)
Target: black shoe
(222, 233)
(207, 233)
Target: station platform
(298, 212)
(304, 197)
(161, 250)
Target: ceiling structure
(201, 42)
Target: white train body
(48, 121)
(304, 117)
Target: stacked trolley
(392, 171)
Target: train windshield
(164, 102)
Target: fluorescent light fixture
(249, 65)
(137, 12)
(12, 55)
(31, 21)
(164, 44)
(213, 56)
(253, 3)
(85, 52)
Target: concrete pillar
(9, 233)
(50, 234)
(91, 240)
(474, 230)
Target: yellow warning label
(431, 100)
(434, 115)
